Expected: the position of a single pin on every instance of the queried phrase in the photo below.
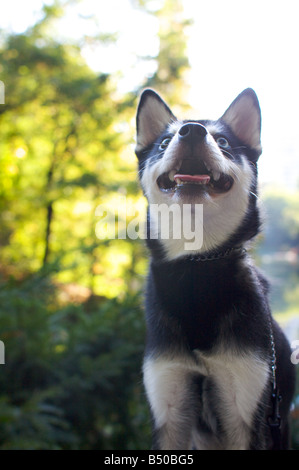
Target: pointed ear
(153, 115)
(244, 118)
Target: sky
(233, 44)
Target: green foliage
(57, 139)
(278, 248)
(72, 377)
(282, 220)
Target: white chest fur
(240, 381)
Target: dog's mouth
(195, 175)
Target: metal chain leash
(274, 420)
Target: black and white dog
(215, 358)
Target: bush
(72, 377)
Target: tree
(170, 78)
(58, 147)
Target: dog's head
(207, 163)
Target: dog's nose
(192, 132)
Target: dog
(217, 370)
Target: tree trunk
(48, 233)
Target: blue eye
(223, 142)
(164, 144)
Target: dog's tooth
(216, 175)
(171, 175)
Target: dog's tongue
(201, 179)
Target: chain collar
(220, 255)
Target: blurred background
(71, 305)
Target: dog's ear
(244, 118)
(153, 115)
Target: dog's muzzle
(193, 169)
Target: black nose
(192, 132)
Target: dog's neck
(199, 295)
(158, 257)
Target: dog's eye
(222, 142)
(164, 144)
